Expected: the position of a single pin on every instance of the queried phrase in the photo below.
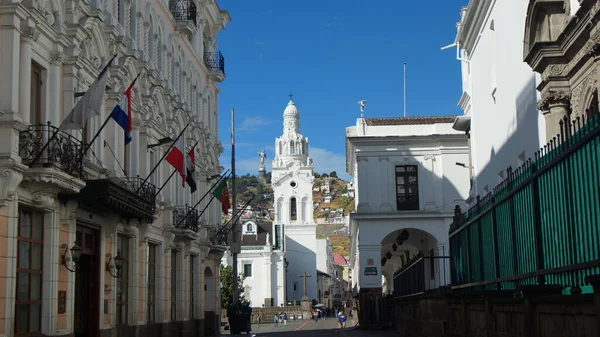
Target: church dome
(290, 109)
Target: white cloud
(253, 124)
(326, 161)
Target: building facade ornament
(58, 58)
(553, 97)
(10, 179)
(31, 34)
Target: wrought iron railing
(216, 235)
(539, 226)
(47, 146)
(183, 10)
(185, 217)
(136, 185)
(214, 62)
(422, 275)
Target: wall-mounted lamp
(287, 263)
(463, 165)
(75, 255)
(117, 264)
(161, 142)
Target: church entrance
(86, 313)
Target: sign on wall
(370, 271)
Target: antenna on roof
(405, 89)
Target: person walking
(342, 319)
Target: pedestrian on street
(342, 319)
(276, 321)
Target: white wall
(505, 123)
(372, 157)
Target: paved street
(303, 328)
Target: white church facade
(276, 258)
(292, 182)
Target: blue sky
(330, 54)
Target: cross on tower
(291, 95)
(304, 276)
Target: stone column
(386, 181)
(46, 200)
(68, 220)
(29, 36)
(363, 181)
(10, 65)
(53, 114)
(555, 105)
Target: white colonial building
(407, 185)
(499, 90)
(292, 182)
(91, 243)
(262, 263)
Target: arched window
(293, 209)
(292, 150)
(249, 227)
(280, 147)
(593, 108)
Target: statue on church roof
(262, 155)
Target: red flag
(177, 158)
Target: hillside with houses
(333, 200)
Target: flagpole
(165, 183)
(105, 122)
(89, 145)
(233, 246)
(236, 215)
(173, 173)
(161, 159)
(204, 196)
(58, 129)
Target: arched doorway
(413, 262)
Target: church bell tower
(292, 181)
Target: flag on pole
(122, 113)
(177, 158)
(222, 193)
(89, 105)
(191, 168)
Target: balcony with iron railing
(216, 235)
(46, 146)
(185, 14)
(185, 223)
(130, 197)
(54, 157)
(215, 64)
(185, 217)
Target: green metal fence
(541, 225)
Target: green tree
(317, 175)
(227, 286)
(333, 174)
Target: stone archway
(414, 251)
